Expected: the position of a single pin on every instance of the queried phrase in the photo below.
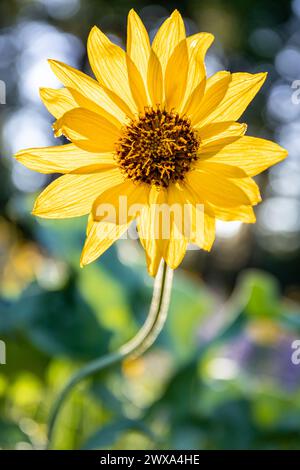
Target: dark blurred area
(221, 375)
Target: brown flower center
(157, 148)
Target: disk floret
(157, 148)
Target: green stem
(135, 347)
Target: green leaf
(263, 294)
(59, 323)
(11, 434)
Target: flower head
(154, 129)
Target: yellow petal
(174, 248)
(191, 107)
(199, 218)
(153, 257)
(108, 62)
(219, 133)
(176, 76)
(164, 235)
(215, 90)
(88, 87)
(89, 224)
(213, 187)
(222, 169)
(208, 212)
(155, 80)
(171, 32)
(100, 236)
(250, 188)
(124, 201)
(161, 229)
(252, 154)
(150, 245)
(112, 213)
(57, 102)
(146, 225)
(242, 213)
(138, 44)
(204, 238)
(137, 86)
(241, 91)
(234, 174)
(73, 195)
(197, 46)
(88, 130)
(84, 102)
(63, 159)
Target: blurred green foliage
(199, 387)
(220, 376)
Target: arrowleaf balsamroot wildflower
(153, 128)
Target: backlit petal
(241, 91)
(88, 130)
(213, 187)
(171, 32)
(197, 46)
(252, 154)
(112, 213)
(174, 247)
(176, 76)
(215, 90)
(101, 235)
(146, 224)
(155, 80)
(242, 213)
(88, 87)
(191, 106)
(219, 133)
(228, 171)
(137, 86)
(63, 159)
(108, 62)
(199, 218)
(234, 174)
(73, 195)
(138, 44)
(126, 201)
(58, 101)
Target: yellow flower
(154, 129)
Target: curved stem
(136, 346)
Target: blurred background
(221, 375)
